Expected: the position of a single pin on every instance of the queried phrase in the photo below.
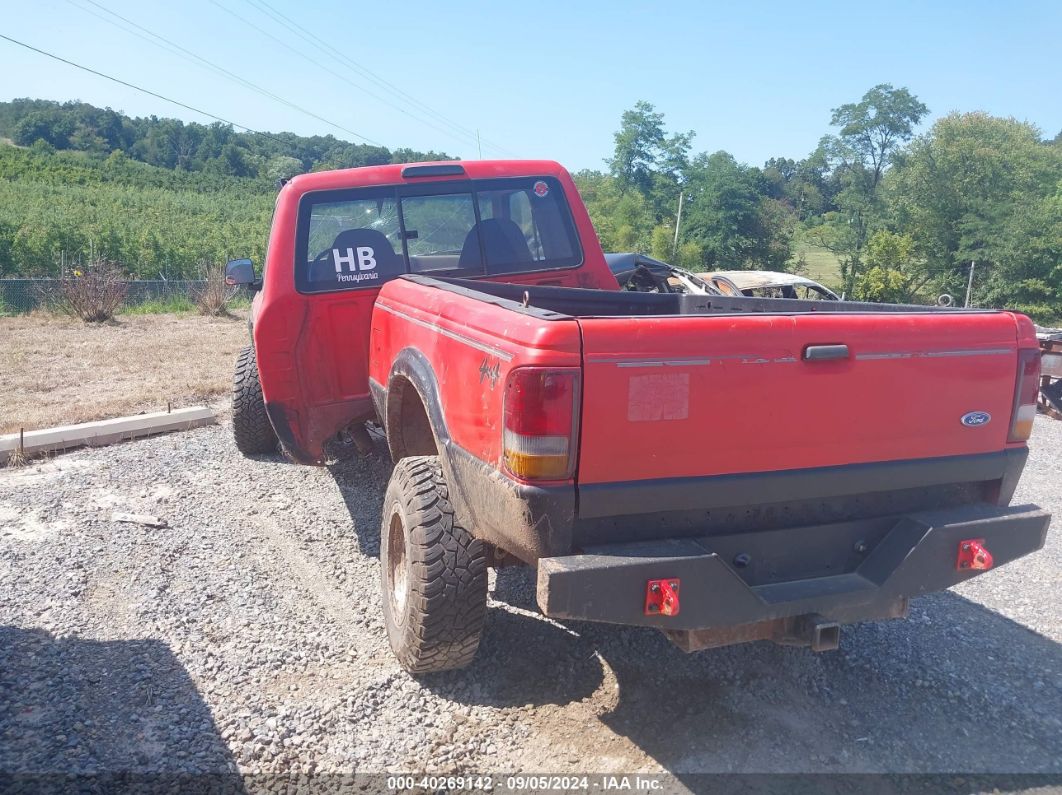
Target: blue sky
(549, 79)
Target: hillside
(160, 196)
(69, 206)
(173, 144)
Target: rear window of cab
(363, 237)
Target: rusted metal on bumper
(812, 630)
(913, 555)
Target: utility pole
(479, 145)
(969, 284)
(678, 222)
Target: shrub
(93, 294)
(214, 296)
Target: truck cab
(339, 236)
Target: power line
(184, 53)
(144, 90)
(286, 21)
(343, 78)
(334, 73)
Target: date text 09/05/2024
(520, 783)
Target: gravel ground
(247, 636)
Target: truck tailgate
(688, 396)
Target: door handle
(823, 353)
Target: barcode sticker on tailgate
(651, 398)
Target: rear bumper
(843, 572)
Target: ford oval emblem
(975, 419)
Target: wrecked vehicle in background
(638, 273)
(1050, 340)
(768, 284)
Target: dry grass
(58, 371)
(214, 297)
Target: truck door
(348, 244)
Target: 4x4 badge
(491, 371)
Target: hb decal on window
(360, 261)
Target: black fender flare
(528, 521)
(413, 366)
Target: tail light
(541, 415)
(1026, 392)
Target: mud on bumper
(786, 585)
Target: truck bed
(713, 415)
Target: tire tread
(251, 427)
(447, 602)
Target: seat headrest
(503, 242)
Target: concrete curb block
(104, 432)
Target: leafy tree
(648, 160)
(690, 255)
(734, 225)
(282, 167)
(734, 215)
(873, 128)
(983, 189)
(803, 185)
(889, 275)
(622, 218)
(405, 155)
(662, 243)
(234, 161)
(776, 226)
(871, 132)
(48, 126)
(65, 207)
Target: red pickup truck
(725, 469)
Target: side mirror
(239, 272)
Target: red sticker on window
(541, 189)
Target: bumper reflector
(973, 555)
(662, 597)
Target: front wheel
(433, 572)
(250, 424)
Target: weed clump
(93, 294)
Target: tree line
(904, 214)
(187, 146)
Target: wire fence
(25, 295)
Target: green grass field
(160, 306)
(822, 265)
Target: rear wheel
(433, 572)
(250, 424)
